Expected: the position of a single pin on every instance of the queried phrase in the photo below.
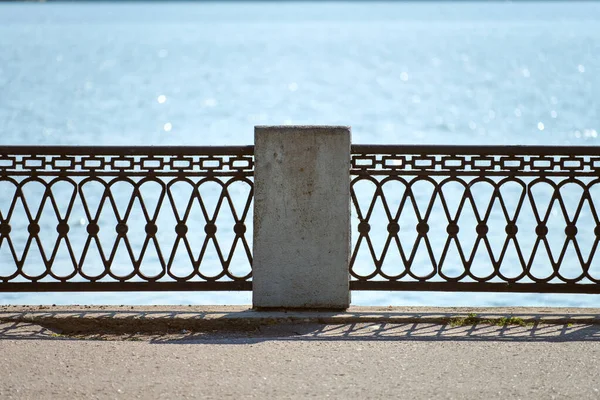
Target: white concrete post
(301, 217)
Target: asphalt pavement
(455, 359)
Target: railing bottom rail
(125, 286)
(476, 287)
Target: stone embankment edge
(169, 319)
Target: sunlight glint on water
(205, 74)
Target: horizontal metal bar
(128, 174)
(476, 287)
(247, 286)
(470, 149)
(125, 286)
(461, 173)
(127, 150)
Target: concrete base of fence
(175, 319)
(301, 217)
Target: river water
(206, 73)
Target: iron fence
(125, 218)
(475, 218)
(451, 218)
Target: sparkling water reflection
(466, 73)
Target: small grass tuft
(470, 319)
(474, 319)
(512, 321)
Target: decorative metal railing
(452, 218)
(125, 218)
(476, 218)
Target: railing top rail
(125, 150)
(455, 160)
(63, 161)
(510, 150)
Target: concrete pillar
(301, 217)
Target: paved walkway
(297, 357)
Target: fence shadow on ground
(248, 327)
(537, 332)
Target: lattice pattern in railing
(439, 214)
(112, 215)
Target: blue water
(206, 73)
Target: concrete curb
(169, 319)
